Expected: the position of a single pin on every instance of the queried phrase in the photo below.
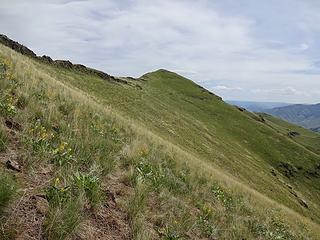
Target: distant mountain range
(257, 106)
(304, 115)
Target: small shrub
(90, 184)
(148, 172)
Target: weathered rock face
(61, 63)
(293, 134)
(46, 59)
(16, 46)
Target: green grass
(305, 137)
(8, 190)
(63, 219)
(3, 139)
(195, 167)
(217, 133)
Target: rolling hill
(304, 115)
(87, 155)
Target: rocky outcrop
(16, 46)
(293, 134)
(61, 63)
(241, 109)
(288, 169)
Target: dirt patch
(13, 125)
(26, 215)
(24, 219)
(109, 221)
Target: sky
(266, 50)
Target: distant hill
(257, 106)
(304, 115)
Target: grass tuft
(63, 219)
(8, 190)
(3, 139)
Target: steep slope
(158, 155)
(307, 116)
(217, 133)
(305, 137)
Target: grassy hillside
(305, 137)
(307, 116)
(151, 158)
(200, 123)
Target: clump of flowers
(8, 104)
(58, 193)
(62, 154)
(41, 137)
(7, 108)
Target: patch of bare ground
(108, 221)
(25, 215)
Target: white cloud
(281, 91)
(225, 88)
(194, 38)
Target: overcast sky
(261, 50)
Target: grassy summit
(156, 157)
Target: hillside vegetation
(88, 156)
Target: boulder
(13, 165)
